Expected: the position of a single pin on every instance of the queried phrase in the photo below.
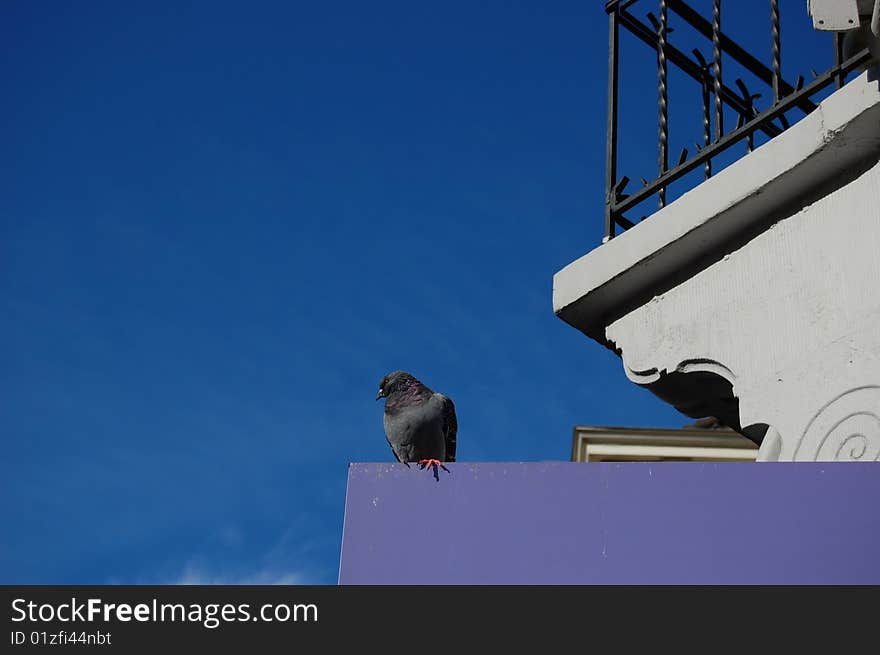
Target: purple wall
(606, 523)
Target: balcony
(751, 297)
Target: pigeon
(420, 424)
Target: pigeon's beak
(379, 395)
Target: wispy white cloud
(195, 575)
(290, 559)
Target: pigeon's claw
(433, 464)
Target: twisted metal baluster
(716, 58)
(707, 112)
(611, 145)
(777, 55)
(662, 106)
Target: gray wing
(450, 426)
(391, 445)
(400, 445)
(389, 432)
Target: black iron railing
(716, 92)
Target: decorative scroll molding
(845, 429)
(694, 365)
(696, 386)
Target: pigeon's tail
(450, 427)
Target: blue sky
(223, 223)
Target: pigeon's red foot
(433, 464)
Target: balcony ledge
(752, 297)
(787, 172)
